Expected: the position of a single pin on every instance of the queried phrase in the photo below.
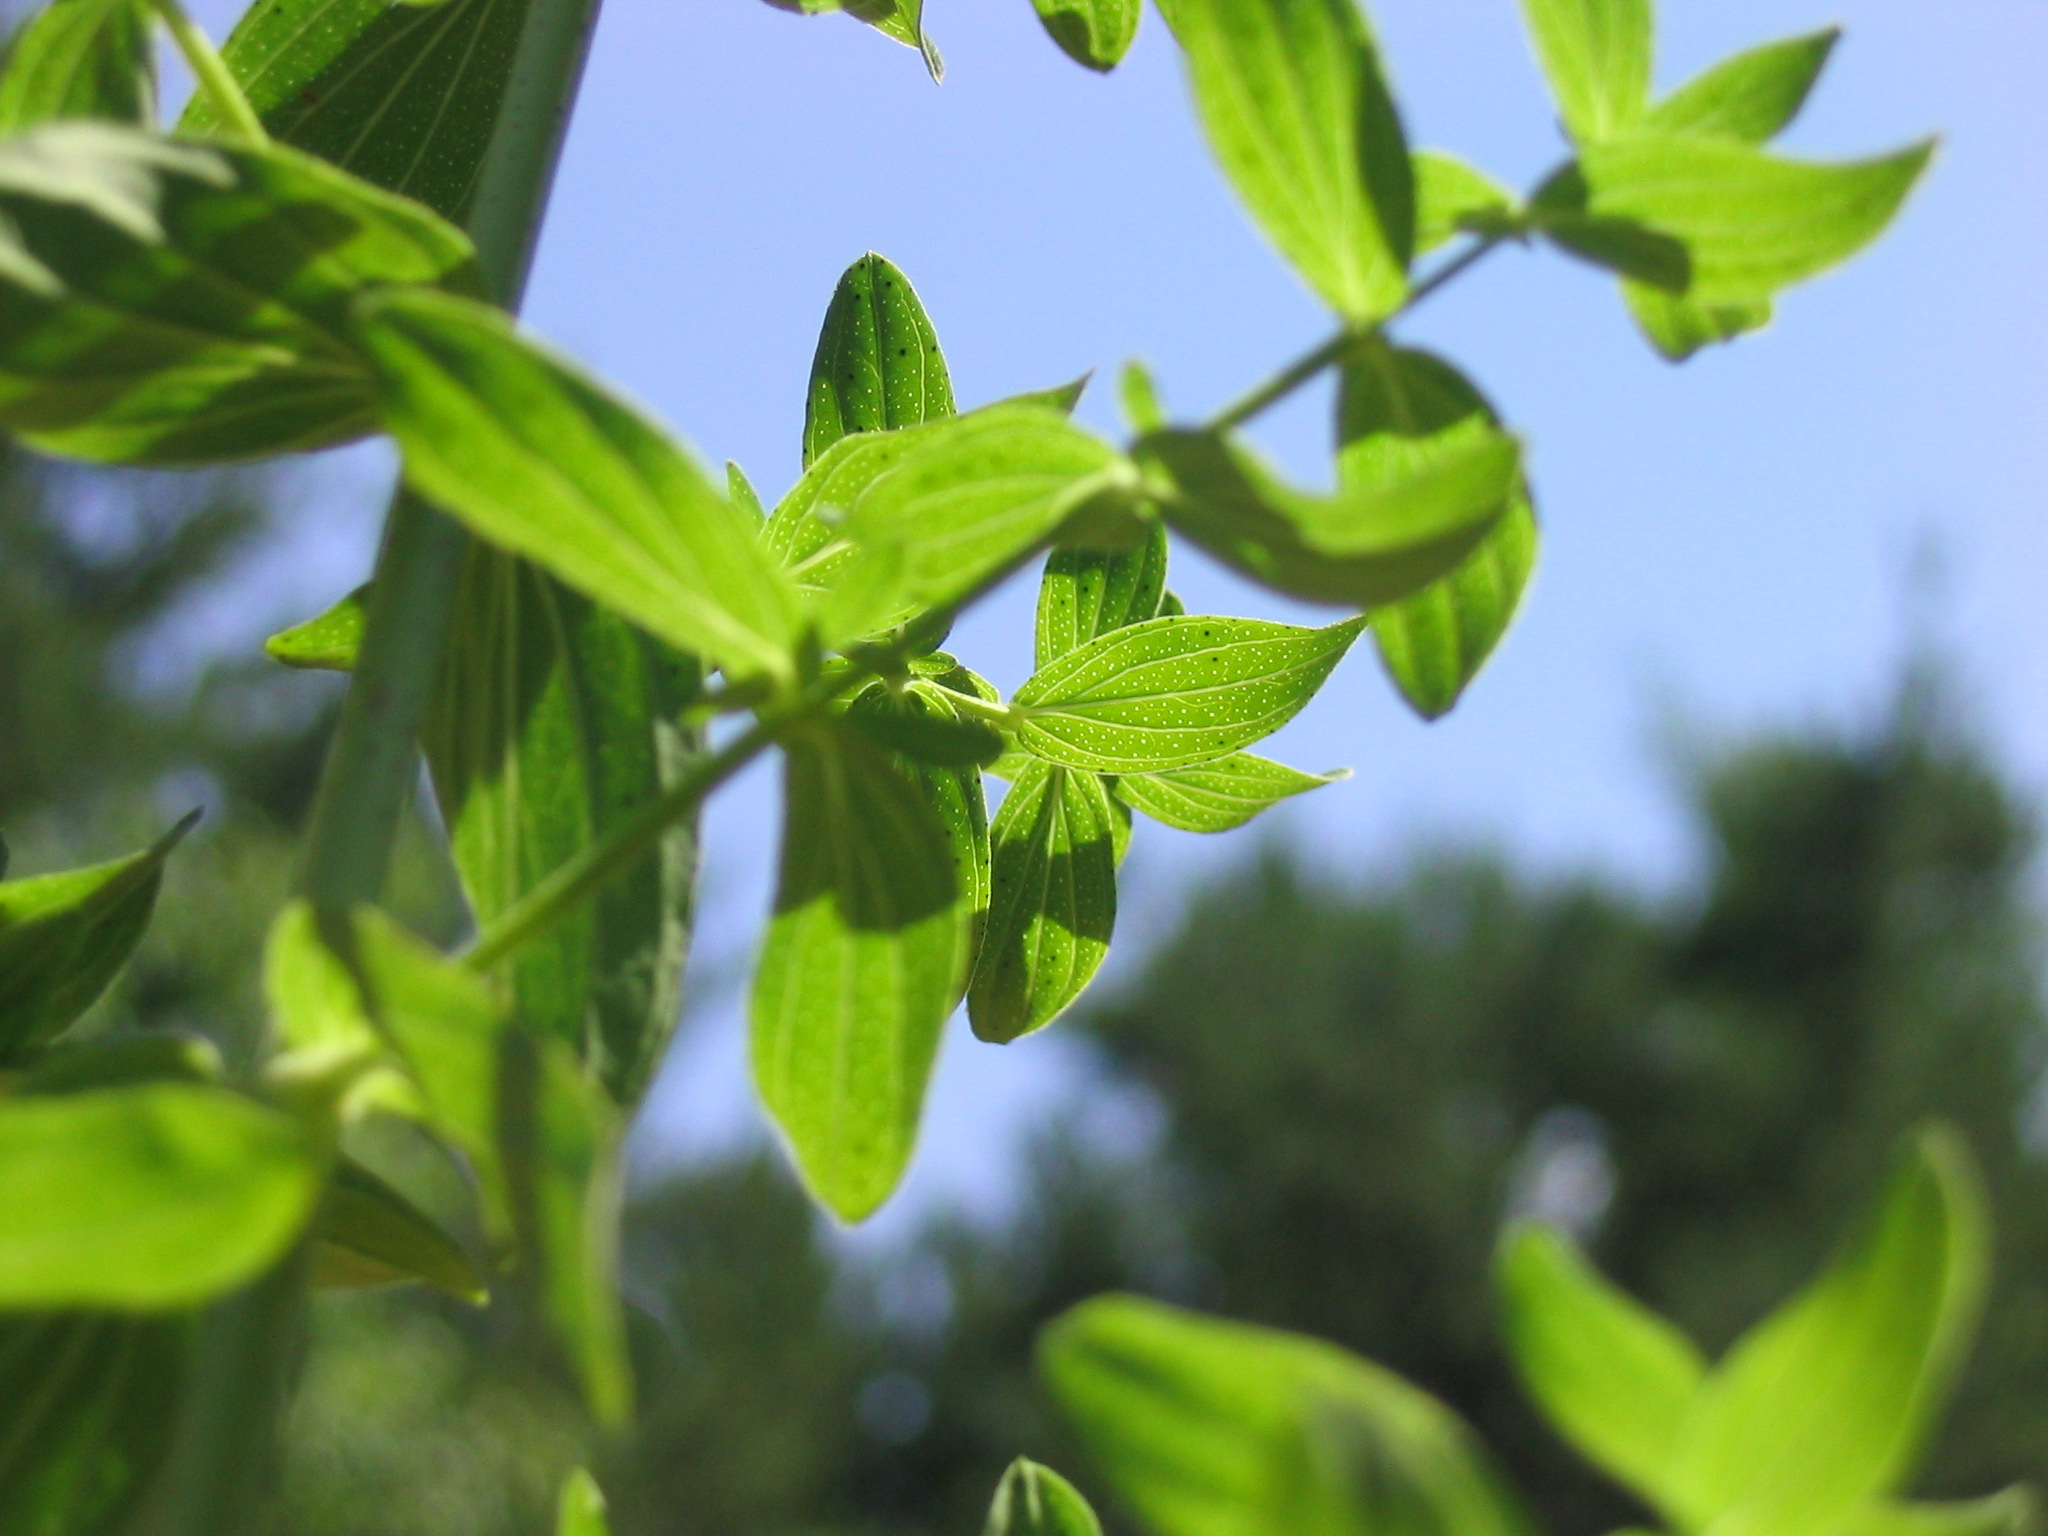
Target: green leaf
(1373, 542)
(859, 968)
(63, 937)
(1824, 1404)
(1173, 692)
(739, 490)
(1209, 1428)
(1089, 592)
(328, 641)
(1052, 900)
(146, 1198)
(1613, 1377)
(556, 721)
(405, 96)
(89, 1415)
(939, 740)
(1452, 197)
(878, 365)
(1034, 1500)
(80, 58)
(165, 302)
(1300, 117)
(2015, 1512)
(581, 1510)
(1219, 796)
(119, 1061)
(540, 460)
(367, 1233)
(900, 19)
(1138, 393)
(1596, 55)
(1678, 327)
(1752, 96)
(1399, 412)
(1061, 397)
(1094, 33)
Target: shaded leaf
(878, 365)
(1034, 1500)
(1094, 33)
(80, 58)
(1596, 56)
(1752, 96)
(119, 1061)
(1452, 197)
(1219, 796)
(327, 641)
(2015, 1512)
(941, 741)
(1088, 592)
(367, 1233)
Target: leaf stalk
(212, 72)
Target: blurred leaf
(540, 460)
(1219, 796)
(878, 364)
(858, 970)
(1678, 327)
(1452, 197)
(1399, 414)
(63, 937)
(581, 1511)
(938, 740)
(1095, 33)
(1138, 393)
(1370, 544)
(367, 1233)
(328, 641)
(1034, 1500)
(1173, 692)
(1300, 117)
(1613, 1377)
(119, 1061)
(173, 303)
(900, 19)
(1052, 900)
(1750, 97)
(2015, 1512)
(1825, 1404)
(1061, 397)
(1208, 1428)
(81, 58)
(146, 1198)
(1089, 592)
(1596, 56)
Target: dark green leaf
(367, 1233)
(146, 1198)
(1452, 197)
(1033, 1500)
(1209, 1428)
(1052, 900)
(119, 1061)
(941, 741)
(1219, 796)
(2015, 1512)
(167, 302)
(900, 19)
(1752, 96)
(64, 936)
(1596, 55)
(859, 968)
(878, 365)
(80, 58)
(540, 460)
(1173, 692)
(327, 641)
(1088, 592)
(1096, 33)
(1299, 114)
(1373, 542)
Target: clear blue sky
(1726, 543)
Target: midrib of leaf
(1093, 697)
(1312, 200)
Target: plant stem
(1004, 715)
(212, 73)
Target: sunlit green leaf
(900, 19)
(739, 490)
(878, 365)
(859, 968)
(1052, 900)
(1371, 543)
(538, 459)
(1172, 692)
(64, 936)
(80, 58)
(1095, 33)
(1138, 394)
(1678, 326)
(1211, 1428)
(327, 641)
(1752, 96)
(1089, 592)
(1452, 197)
(1219, 796)
(146, 1198)
(168, 302)
(1613, 1377)
(1596, 55)
(1299, 114)
(581, 1510)
(368, 1233)
(1061, 397)
(1034, 1500)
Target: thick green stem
(212, 73)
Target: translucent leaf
(63, 937)
(538, 459)
(900, 19)
(581, 1511)
(80, 58)
(858, 970)
(1452, 197)
(1052, 900)
(146, 1198)
(1210, 1428)
(1088, 592)
(1596, 55)
(878, 365)
(1220, 796)
(1613, 1377)
(1094, 33)
(169, 302)
(1034, 1500)
(367, 1233)
(1176, 691)
(327, 641)
(1138, 394)
(1300, 117)
(1750, 97)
